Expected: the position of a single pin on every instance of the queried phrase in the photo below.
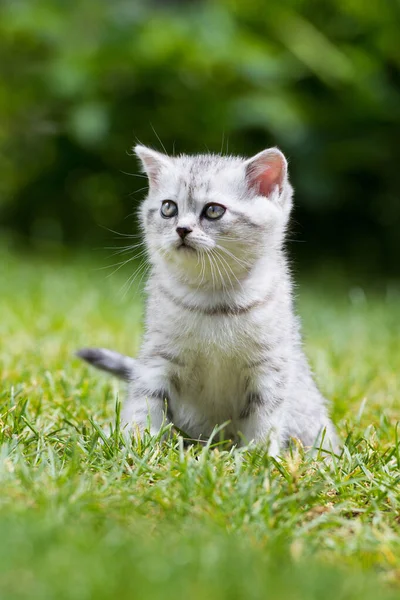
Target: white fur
(211, 364)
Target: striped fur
(222, 340)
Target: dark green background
(81, 81)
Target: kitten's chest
(211, 376)
(214, 371)
(209, 391)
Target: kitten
(222, 342)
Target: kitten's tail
(107, 360)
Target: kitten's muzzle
(183, 232)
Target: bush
(83, 80)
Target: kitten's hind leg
(107, 360)
(310, 423)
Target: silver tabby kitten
(222, 341)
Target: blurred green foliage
(83, 80)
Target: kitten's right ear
(152, 162)
(266, 172)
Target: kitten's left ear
(152, 162)
(267, 171)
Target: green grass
(84, 514)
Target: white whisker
(240, 262)
(142, 268)
(134, 174)
(123, 249)
(218, 269)
(119, 234)
(219, 258)
(137, 192)
(232, 271)
(211, 269)
(159, 139)
(122, 263)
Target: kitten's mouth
(182, 247)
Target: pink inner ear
(267, 172)
(152, 168)
(152, 162)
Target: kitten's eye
(168, 209)
(214, 211)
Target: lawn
(84, 514)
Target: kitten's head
(209, 218)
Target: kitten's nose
(183, 231)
